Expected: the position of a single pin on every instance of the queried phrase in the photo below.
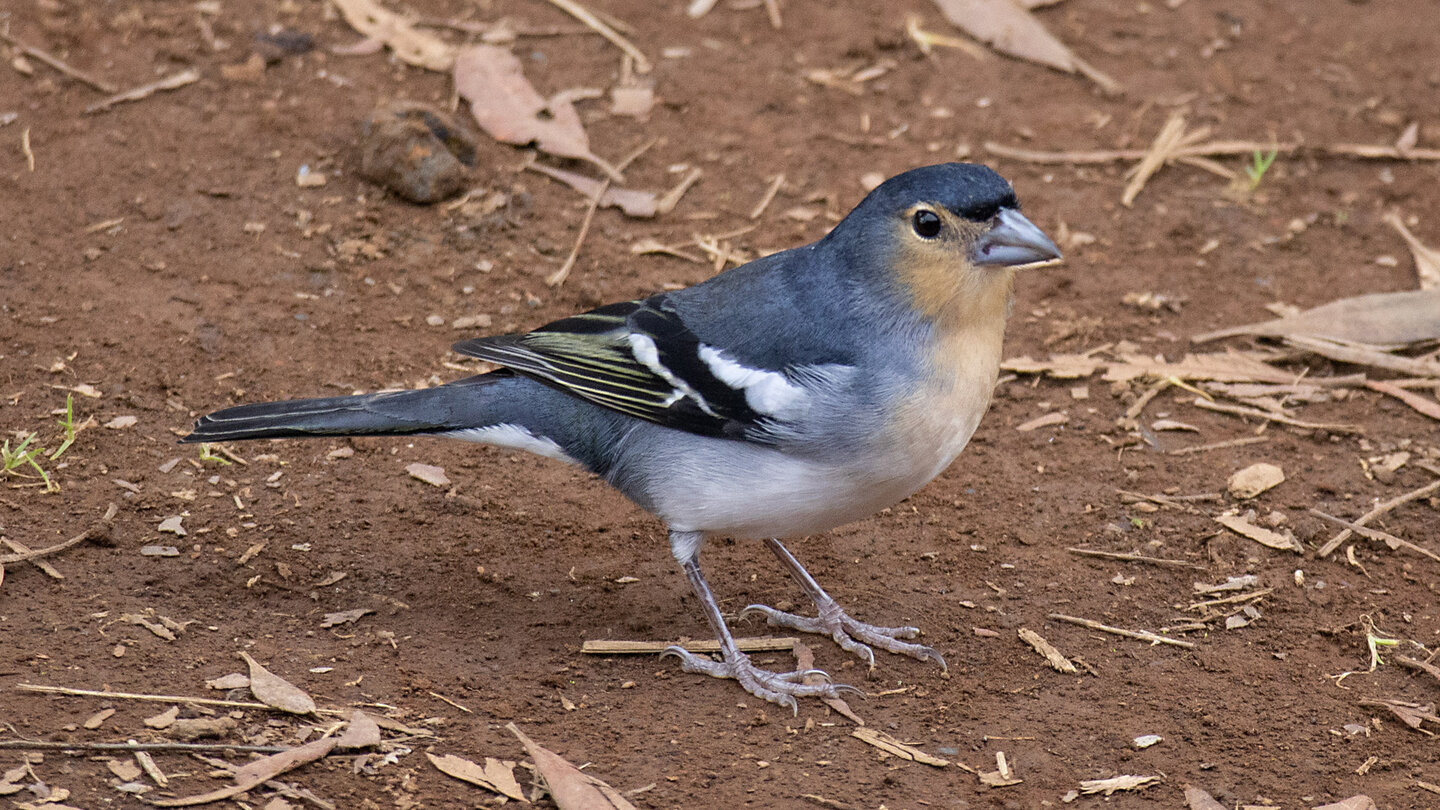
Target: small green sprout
(1259, 164)
(1375, 642)
(67, 423)
(206, 455)
(12, 460)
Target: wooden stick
(1112, 555)
(584, 15)
(609, 647)
(27, 745)
(1230, 600)
(98, 530)
(171, 82)
(1374, 534)
(203, 701)
(1135, 634)
(1256, 413)
(769, 196)
(1205, 448)
(1334, 542)
(55, 62)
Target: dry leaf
(1056, 418)
(1197, 799)
(344, 617)
(569, 787)
(163, 719)
(257, 772)
(120, 422)
(158, 629)
(508, 107)
(1011, 30)
(93, 721)
(429, 473)
(234, 680)
(361, 732)
(1114, 783)
(892, 746)
(638, 204)
(1225, 367)
(198, 728)
(1259, 534)
(1378, 319)
(496, 776)
(1427, 259)
(126, 770)
(1424, 405)
(1255, 479)
(380, 25)
(172, 524)
(1059, 366)
(276, 692)
(1055, 658)
(805, 661)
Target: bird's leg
(776, 687)
(832, 621)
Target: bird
(795, 393)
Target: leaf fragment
(276, 692)
(571, 788)
(1012, 30)
(495, 776)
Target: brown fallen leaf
(199, 728)
(256, 773)
(1059, 366)
(361, 732)
(234, 680)
(1114, 783)
(163, 719)
(345, 617)
(93, 721)
(379, 25)
(1255, 479)
(569, 787)
(495, 776)
(894, 747)
(634, 203)
(1424, 405)
(1427, 259)
(1265, 537)
(1013, 31)
(1197, 799)
(508, 107)
(1054, 657)
(1221, 367)
(805, 660)
(276, 692)
(1390, 319)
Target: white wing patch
(513, 437)
(643, 347)
(767, 392)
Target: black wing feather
(591, 356)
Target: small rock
(1255, 479)
(172, 524)
(122, 422)
(428, 473)
(1146, 740)
(418, 152)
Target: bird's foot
(777, 687)
(852, 635)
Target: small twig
(17, 546)
(1054, 657)
(1396, 502)
(1230, 600)
(27, 151)
(1205, 448)
(99, 530)
(1135, 634)
(234, 704)
(608, 647)
(584, 15)
(1256, 413)
(47, 745)
(558, 277)
(1374, 534)
(171, 82)
(1113, 555)
(769, 196)
(58, 64)
(1413, 663)
(772, 8)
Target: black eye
(927, 223)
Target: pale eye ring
(926, 224)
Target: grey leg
(832, 621)
(777, 687)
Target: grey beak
(1013, 241)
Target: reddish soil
(187, 304)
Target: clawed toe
(853, 636)
(780, 688)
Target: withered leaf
(1377, 319)
(276, 692)
(495, 776)
(1012, 30)
(508, 107)
(361, 732)
(571, 789)
(381, 25)
(344, 617)
(257, 772)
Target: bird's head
(951, 235)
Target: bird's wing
(641, 359)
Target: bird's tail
(457, 406)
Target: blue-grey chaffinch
(793, 394)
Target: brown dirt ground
(181, 308)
